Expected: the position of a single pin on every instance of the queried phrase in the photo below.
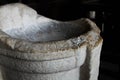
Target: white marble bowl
(48, 49)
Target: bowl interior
(44, 32)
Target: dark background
(106, 17)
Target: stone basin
(34, 47)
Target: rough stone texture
(61, 51)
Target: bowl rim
(71, 43)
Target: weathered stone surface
(33, 47)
